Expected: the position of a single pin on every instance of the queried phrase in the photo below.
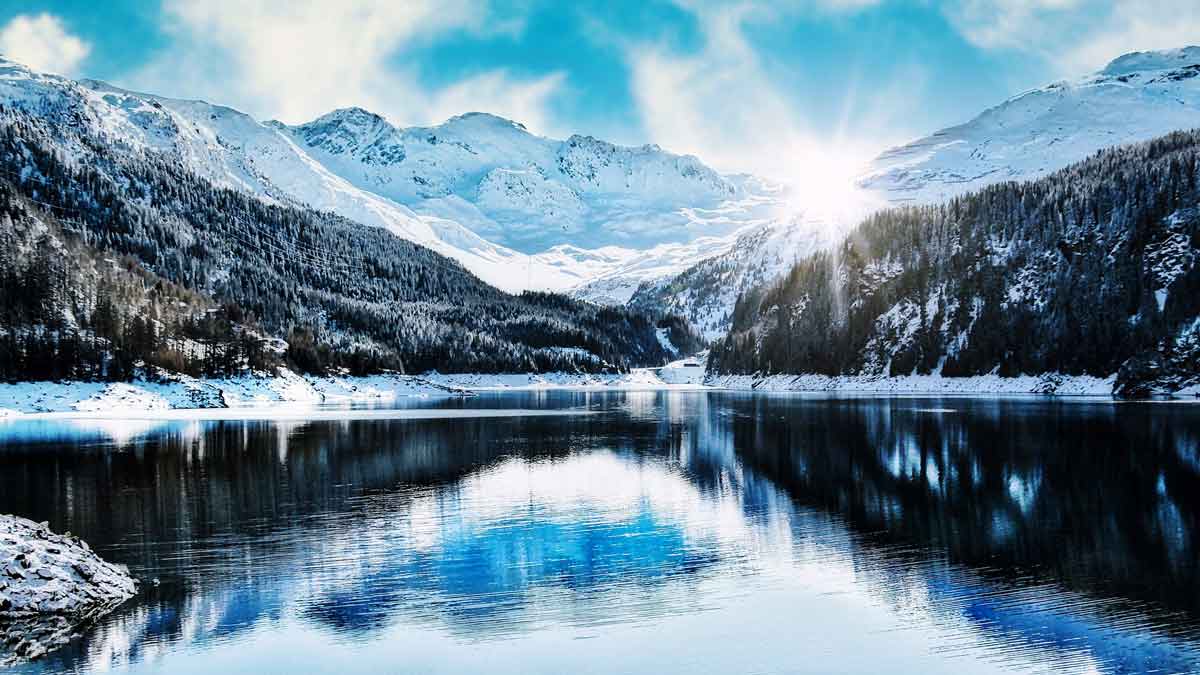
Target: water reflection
(683, 531)
(1101, 496)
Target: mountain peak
(10, 64)
(353, 130)
(482, 119)
(1153, 60)
(352, 115)
(15, 70)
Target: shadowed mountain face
(1033, 534)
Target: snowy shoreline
(298, 395)
(286, 390)
(638, 378)
(1048, 383)
(180, 392)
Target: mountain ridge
(267, 159)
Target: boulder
(51, 586)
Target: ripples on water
(663, 532)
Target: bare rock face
(51, 586)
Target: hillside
(518, 210)
(343, 294)
(1135, 98)
(1090, 270)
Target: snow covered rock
(1171, 370)
(50, 584)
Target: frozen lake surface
(634, 532)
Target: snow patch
(638, 378)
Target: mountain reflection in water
(670, 532)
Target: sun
(821, 182)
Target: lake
(635, 532)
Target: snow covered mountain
(1137, 97)
(519, 210)
(230, 149)
(607, 223)
(591, 216)
(519, 189)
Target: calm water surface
(662, 532)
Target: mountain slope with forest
(342, 294)
(519, 210)
(1090, 270)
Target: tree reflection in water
(1037, 531)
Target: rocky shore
(51, 586)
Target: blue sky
(745, 85)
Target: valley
(636, 235)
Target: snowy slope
(514, 187)
(225, 146)
(761, 205)
(1136, 97)
(707, 291)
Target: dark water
(671, 532)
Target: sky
(744, 85)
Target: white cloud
(297, 60)
(1139, 26)
(42, 43)
(721, 105)
(498, 93)
(1075, 36)
(995, 24)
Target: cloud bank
(721, 104)
(42, 43)
(1077, 36)
(297, 60)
